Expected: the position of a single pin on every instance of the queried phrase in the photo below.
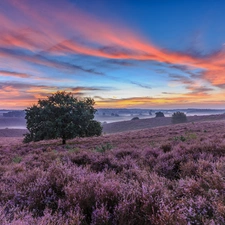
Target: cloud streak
(44, 61)
(141, 85)
(200, 99)
(25, 94)
(13, 74)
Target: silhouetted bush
(179, 117)
(159, 114)
(166, 147)
(115, 114)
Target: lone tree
(179, 117)
(61, 116)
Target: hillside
(12, 132)
(160, 176)
(18, 124)
(152, 122)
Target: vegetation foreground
(166, 175)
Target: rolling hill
(109, 128)
(153, 122)
(163, 175)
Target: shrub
(135, 118)
(159, 114)
(104, 147)
(166, 147)
(17, 159)
(179, 117)
(180, 138)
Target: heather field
(159, 176)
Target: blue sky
(134, 54)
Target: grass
(17, 159)
(103, 147)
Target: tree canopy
(159, 114)
(61, 116)
(179, 117)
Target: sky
(156, 54)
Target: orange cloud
(192, 99)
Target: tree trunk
(64, 141)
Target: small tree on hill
(61, 116)
(159, 114)
(179, 117)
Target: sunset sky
(123, 53)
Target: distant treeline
(136, 111)
(14, 114)
(117, 112)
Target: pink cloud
(13, 74)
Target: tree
(179, 117)
(61, 116)
(159, 114)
